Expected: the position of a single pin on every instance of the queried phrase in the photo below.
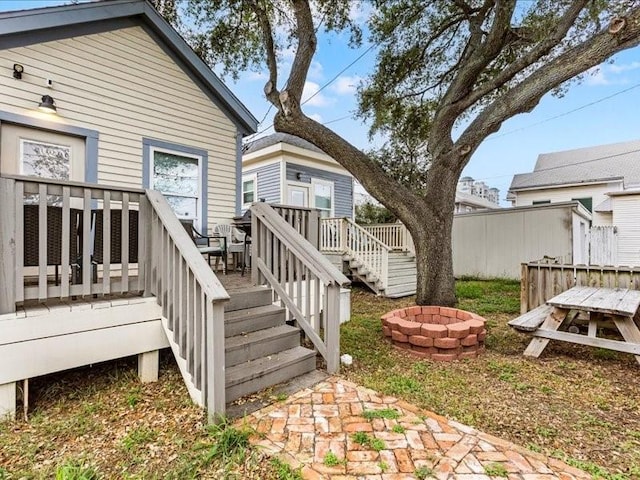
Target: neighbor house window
(541, 202)
(45, 160)
(178, 176)
(323, 196)
(249, 183)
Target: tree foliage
(369, 213)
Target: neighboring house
(285, 169)
(135, 106)
(604, 178)
(466, 202)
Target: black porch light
(47, 105)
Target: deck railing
(303, 280)
(88, 236)
(192, 300)
(305, 221)
(60, 240)
(345, 236)
(394, 235)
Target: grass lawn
(576, 403)
(580, 404)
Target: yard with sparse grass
(576, 403)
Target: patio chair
(212, 245)
(31, 237)
(235, 240)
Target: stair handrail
(192, 300)
(372, 253)
(302, 279)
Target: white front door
(298, 195)
(40, 153)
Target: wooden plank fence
(603, 245)
(541, 281)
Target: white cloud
(346, 85)
(312, 98)
(624, 67)
(316, 116)
(360, 11)
(255, 76)
(316, 70)
(596, 76)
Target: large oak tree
(449, 73)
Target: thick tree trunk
(431, 231)
(429, 218)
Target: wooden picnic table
(600, 304)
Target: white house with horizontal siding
(606, 180)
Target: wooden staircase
(376, 257)
(261, 349)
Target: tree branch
(526, 95)
(561, 30)
(271, 87)
(304, 53)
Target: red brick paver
(313, 422)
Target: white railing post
(214, 338)
(332, 324)
(344, 235)
(7, 246)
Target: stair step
(249, 298)
(398, 291)
(401, 279)
(256, 375)
(252, 319)
(242, 348)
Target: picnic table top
(614, 301)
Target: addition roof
(279, 137)
(27, 27)
(616, 161)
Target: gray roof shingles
(582, 165)
(278, 137)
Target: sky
(602, 109)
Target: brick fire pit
(439, 333)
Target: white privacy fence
(603, 245)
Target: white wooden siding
(625, 217)
(122, 84)
(565, 194)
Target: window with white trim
(178, 176)
(322, 196)
(249, 189)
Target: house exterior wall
(625, 218)
(342, 185)
(493, 244)
(567, 193)
(123, 85)
(268, 180)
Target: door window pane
(322, 193)
(45, 160)
(297, 198)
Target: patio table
(600, 304)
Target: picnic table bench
(616, 304)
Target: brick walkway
(313, 422)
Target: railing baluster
(106, 243)
(19, 236)
(42, 242)
(86, 242)
(125, 242)
(66, 240)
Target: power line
(582, 107)
(333, 79)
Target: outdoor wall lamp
(47, 105)
(298, 175)
(17, 71)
